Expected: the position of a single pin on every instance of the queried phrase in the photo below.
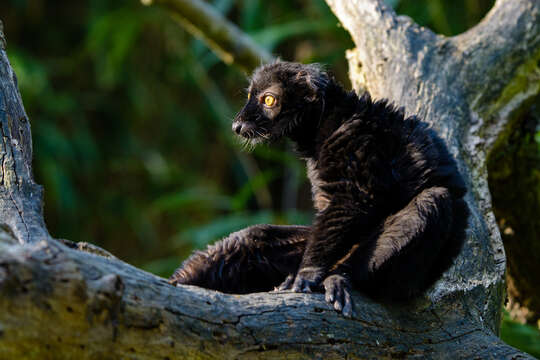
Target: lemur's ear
(315, 83)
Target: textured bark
(20, 197)
(103, 308)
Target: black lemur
(390, 215)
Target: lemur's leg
(344, 222)
(454, 241)
(430, 226)
(257, 258)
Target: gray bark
(61, 302)
(20, 196)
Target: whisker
(260, 134)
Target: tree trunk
(60, 302)
(514, 179)
(481, 91)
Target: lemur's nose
(237, 127)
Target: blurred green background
(131, 121)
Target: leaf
(272, 36)
(199, 236)
(523, 337)
(110, 39)
(206, 196)
(246, 192)
(392, 3)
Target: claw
(329, 297)
(302, 286)
(286, 284)
(348, 308)
(338, 306)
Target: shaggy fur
(389, 198)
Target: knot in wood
(111, 286)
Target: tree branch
(500, 60)
(384, 42)
(201, 20)
(106, 308)
(20, 196)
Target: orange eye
(249, 96)
(269, 100)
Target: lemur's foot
(337, 292)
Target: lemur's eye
(269, 100)
(249, 96)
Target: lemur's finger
(301, 286)
(329, 293)
(348, 308)
(338, 303)
(286, 284)
(306, 288)
(297, 285)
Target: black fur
(389, 198)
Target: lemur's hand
(306, 280)
(337, 292)
(337, 288)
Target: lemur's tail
(255, 259)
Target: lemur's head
(279, 96)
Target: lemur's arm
(349, 171)
(335, 232)
(427, 218)
(338, 230)
(349, 219)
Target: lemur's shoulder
(376, 129)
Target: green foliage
(444, 16)
(523, 337)
(202, 235)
